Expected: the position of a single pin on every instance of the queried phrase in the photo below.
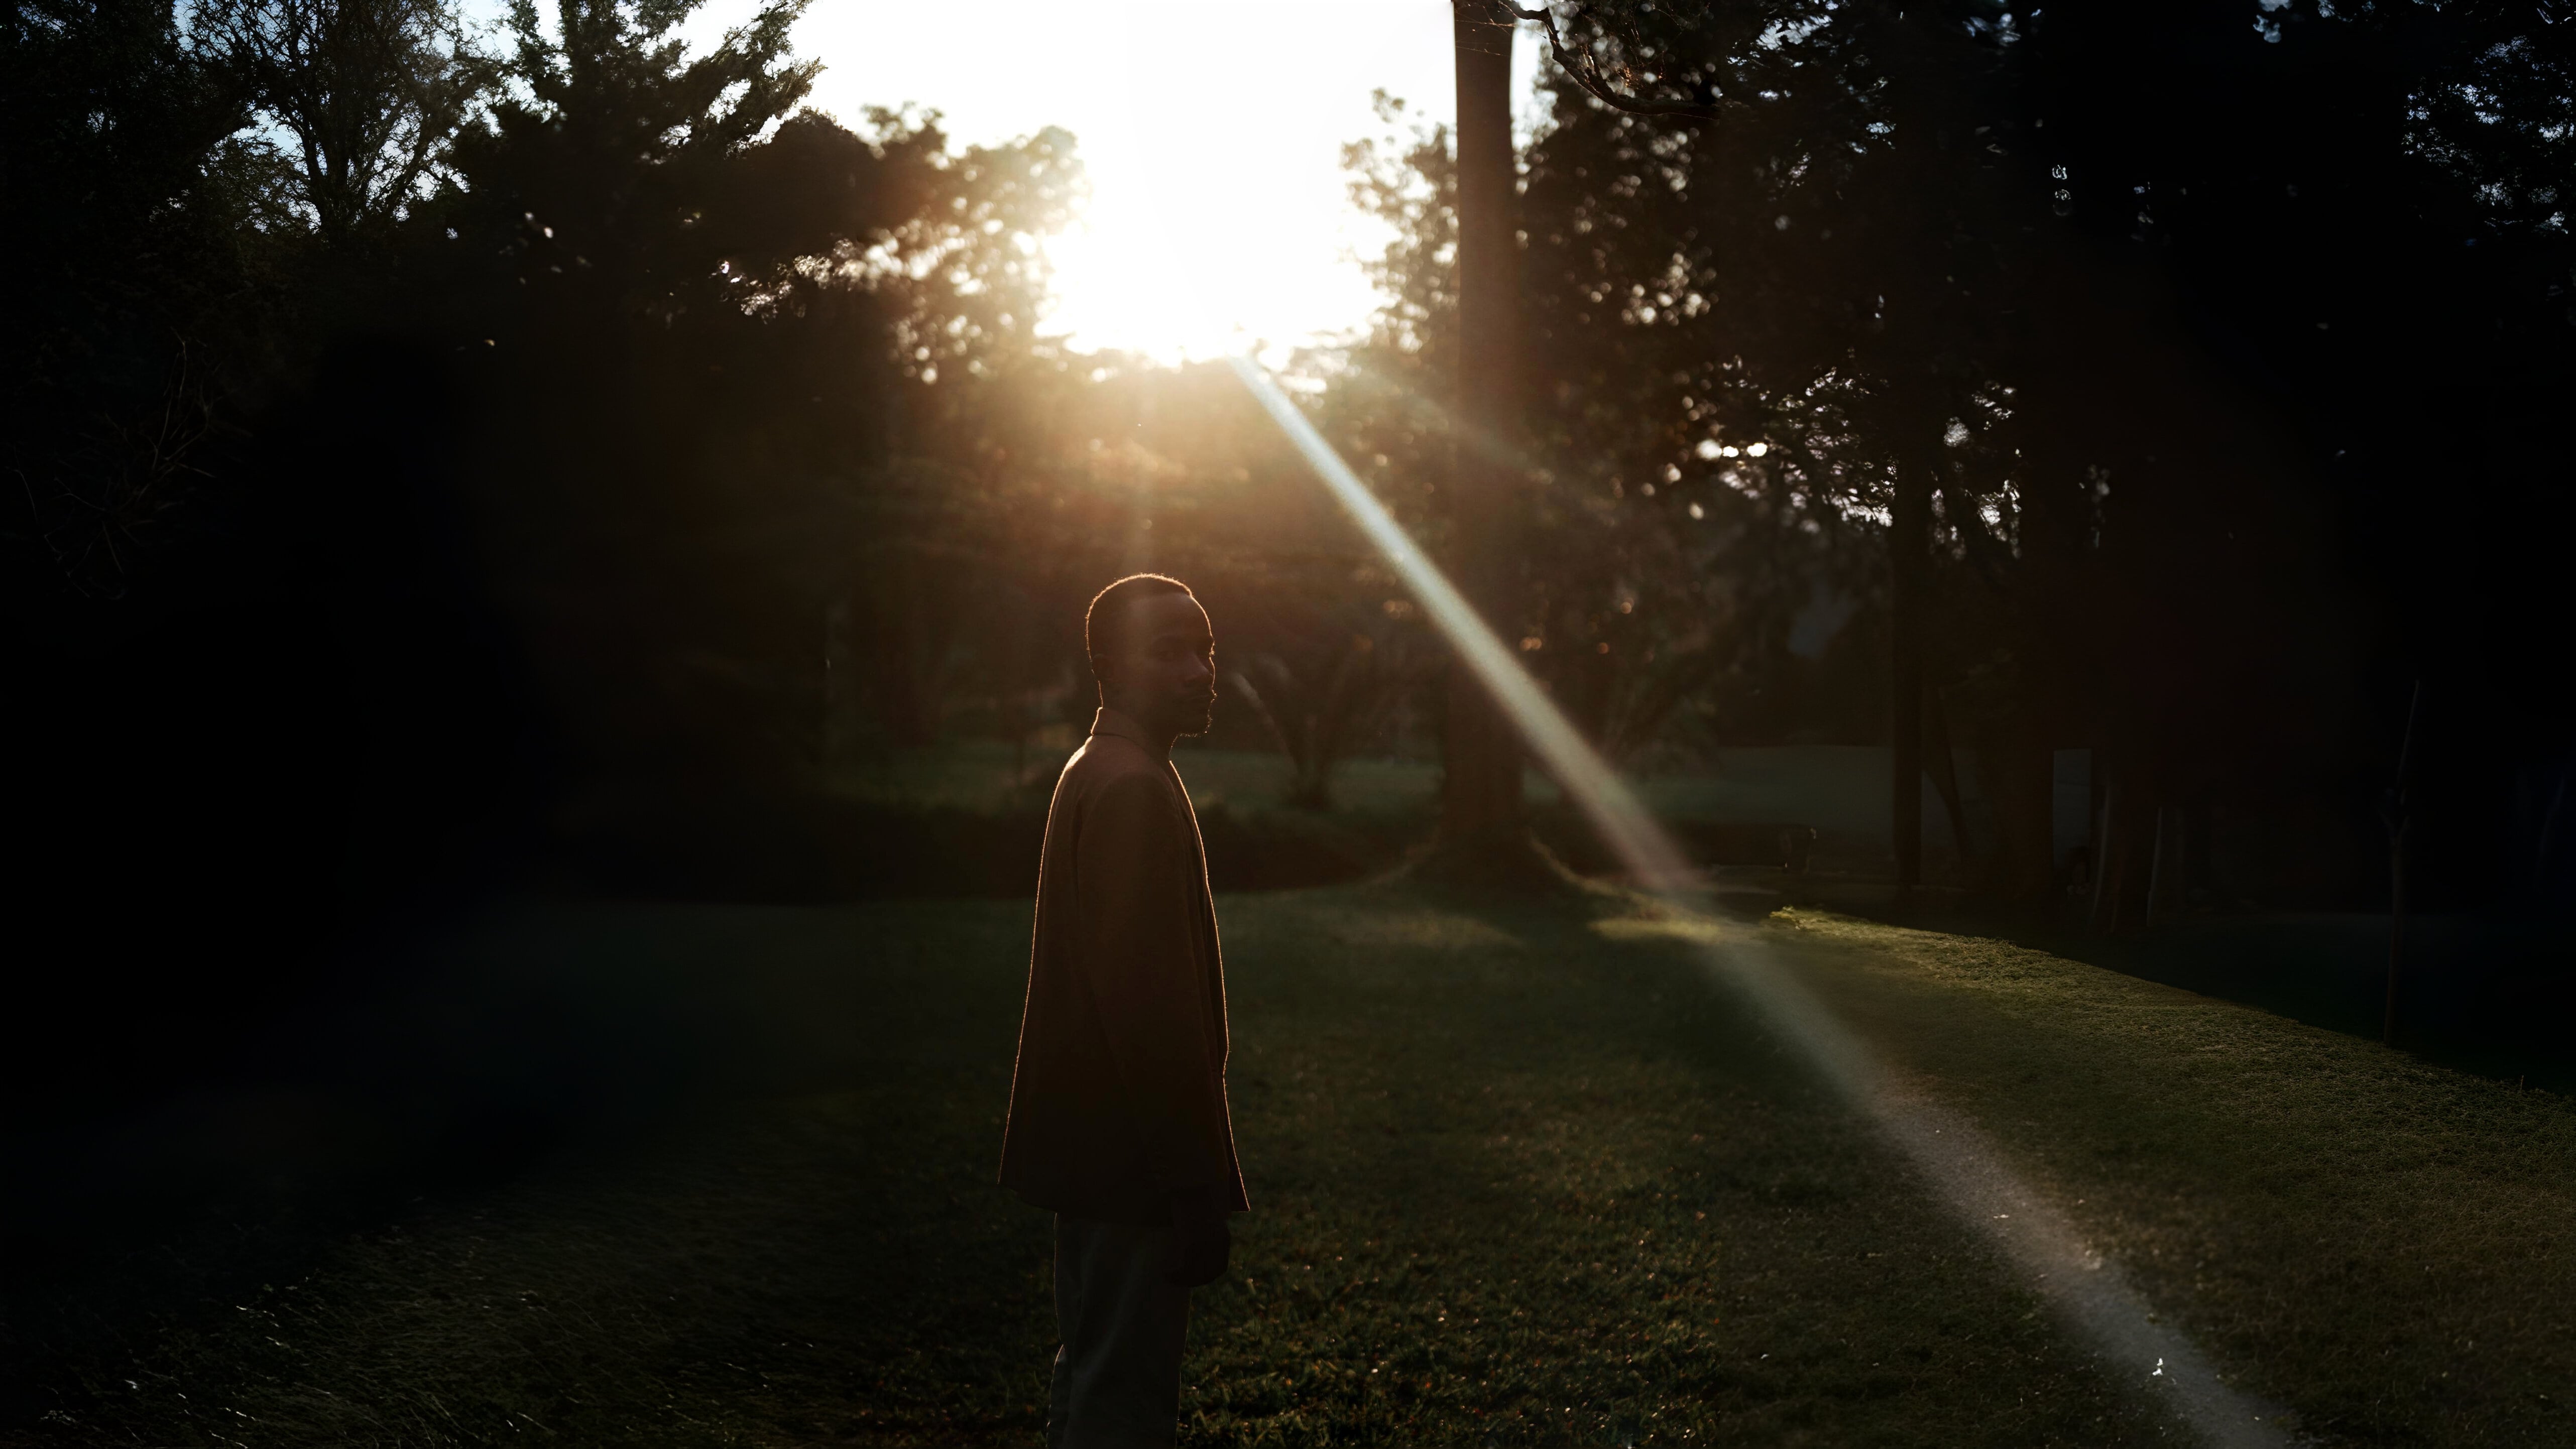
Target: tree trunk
(1941, 761)
(2018, 767)
(1481, 793)
(1909, 558)
(2106, 836)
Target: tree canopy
(2141, 299)
(522, 427)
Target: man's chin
(1200, 723)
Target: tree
(751, 379)
(2045, 357)
(368, 91)
(1481, 756)
(148, 311)
(1657, 610)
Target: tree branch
(1588, 75)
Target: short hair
(1107, 616)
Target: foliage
(723, 430)
(141, 293)
(1641, 619)
(1842, 270)
(2163, 465)
(369, 92)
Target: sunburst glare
(1212, 134)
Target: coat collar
(1111, 722)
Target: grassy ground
(1521, 1176)
(2384, 1244)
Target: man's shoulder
(1105, 759)
(1107, 767)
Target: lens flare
(1961, 1163)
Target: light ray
(1604, 798)
(1962, 1165)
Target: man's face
(1163, 673)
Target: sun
(1211, 132)
(1185, 254)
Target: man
(1118, 1121)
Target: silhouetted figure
(1118, 1115)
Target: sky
(1211, 130)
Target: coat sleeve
(1137, 927)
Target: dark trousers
(1117, 1378)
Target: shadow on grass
(616, 1172)
(1514, 1183)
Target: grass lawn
(2386, 1245)
(1520, 1176)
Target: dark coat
(1118, 1098)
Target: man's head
(1153, 654)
